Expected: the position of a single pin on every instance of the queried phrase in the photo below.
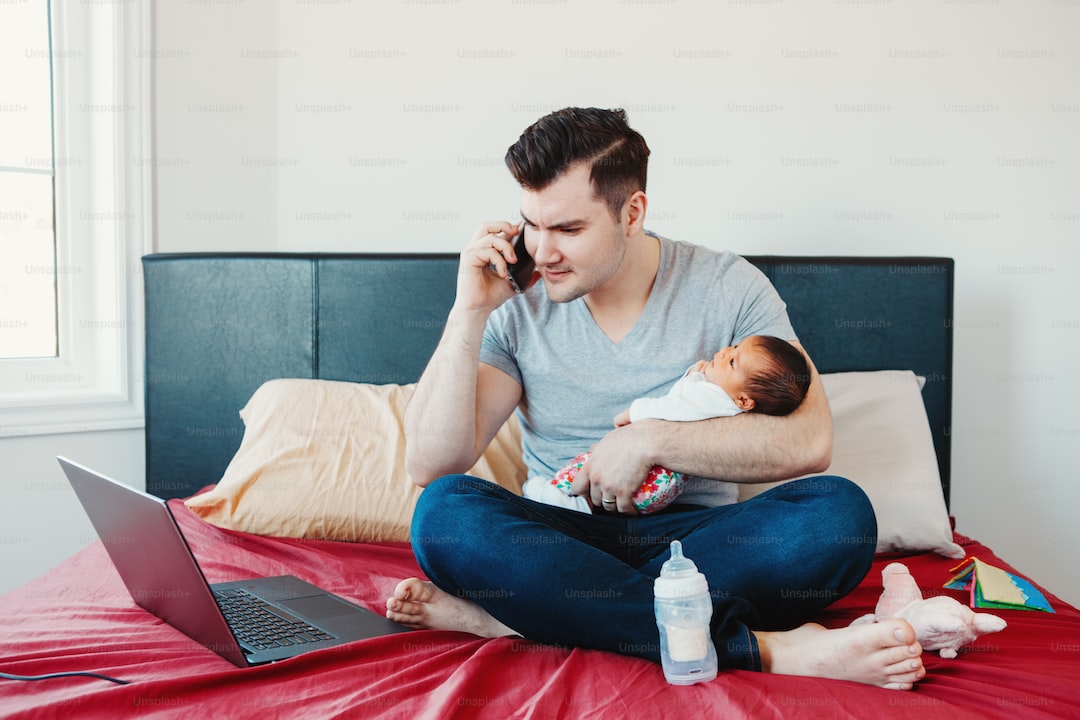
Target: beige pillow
(882, 442)
(326, 459)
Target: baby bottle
(683, 610)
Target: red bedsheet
(78, 617)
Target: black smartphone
(520, 273)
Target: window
(88, 375)
(27, 288)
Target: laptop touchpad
(319, 607)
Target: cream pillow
(326, 459)
(882, 442)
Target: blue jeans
(566, 578)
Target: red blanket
(78, 617)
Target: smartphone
(520, 273)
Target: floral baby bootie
(659, 490)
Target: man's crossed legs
(503, 565)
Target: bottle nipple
(678, 566)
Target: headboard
(219, 325)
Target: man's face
(578, 246)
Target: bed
(221, 327)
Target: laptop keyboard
(255, 623)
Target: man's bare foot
(422, 606)
(885, 654)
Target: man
(618, 313)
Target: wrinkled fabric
(79, 617)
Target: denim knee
(855, 497)
(838, 521)
(837, 496)
(850, 503)
(853, 524)
(446, 519)
(429, 529)
(445, 497)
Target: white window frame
(103, 173)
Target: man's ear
(744, 402)
(635, 208)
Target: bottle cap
(679, 576)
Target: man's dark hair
(618, 155)
(781, 387)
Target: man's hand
(460, 403)
(618, 465)
(482, 269)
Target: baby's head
(762, 373)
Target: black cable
(7, 676)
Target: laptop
(249, 622)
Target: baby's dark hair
(781, 387)
(617, 154)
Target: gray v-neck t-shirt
(575, 380)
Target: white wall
(41, 521)
(943, 127)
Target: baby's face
(731, 367)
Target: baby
(761, 374)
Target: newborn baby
(761, 374)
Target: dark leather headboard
(219, 325)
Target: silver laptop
(249, 622)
